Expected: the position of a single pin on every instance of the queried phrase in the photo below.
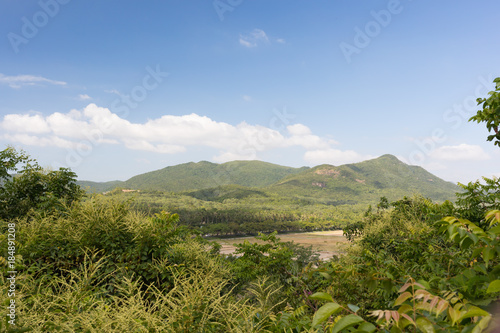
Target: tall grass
(102, 268)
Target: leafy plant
(33, 188)
(490, 114)
(418, 309)
(479, 282)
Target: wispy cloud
(113, 91)
(461, 152)
(84, 97)
(19, 81)
(281, 41)
(253, 39)
(247, 98)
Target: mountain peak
(389, 157)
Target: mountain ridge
(364, 181)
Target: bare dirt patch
(327, 243)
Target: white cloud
(84, 97)
(281, 41)
(19, 81)
(167, 134)
(247, 98)
(25, 123)
(334, 156)
(49, 141)
(254, 38)
(460, 152)
(247, 43)
(229, 156)
(298, 129)
(301, 135)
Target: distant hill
(366, 182)
(203, 175)
(97, 187)
(362, 182)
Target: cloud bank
(168, 134)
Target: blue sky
(117, 88)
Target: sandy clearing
(326, 243)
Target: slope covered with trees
(366, 181)
(201, 175)
(362, 182)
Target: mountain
(203, 175)
(366, 181)
(97, 187)
(334, 185)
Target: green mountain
(366, 182)
(363, 182)
(203, 175)
(96, 187)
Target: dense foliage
(100, 264)
(248, 216)
(33, 188)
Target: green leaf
(495, 230)
(474, 238)
(425, 325)
(425, 284)
(387, 285)
(476, 252)
(405, 308)
(395, 329)
(321, 297)
(354, 308)
(487, 255)
(494, 287)
(483, 323)
(347, 321)
(403, 297)
(325, 312)
(371, 284)
(466, 243)
(325, 275)
(474, 311)
(366, 327)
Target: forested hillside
(363, 182)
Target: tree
(9, 161)
(490, 113)
(477, 199)
(33, 187)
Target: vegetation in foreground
(99, 266)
